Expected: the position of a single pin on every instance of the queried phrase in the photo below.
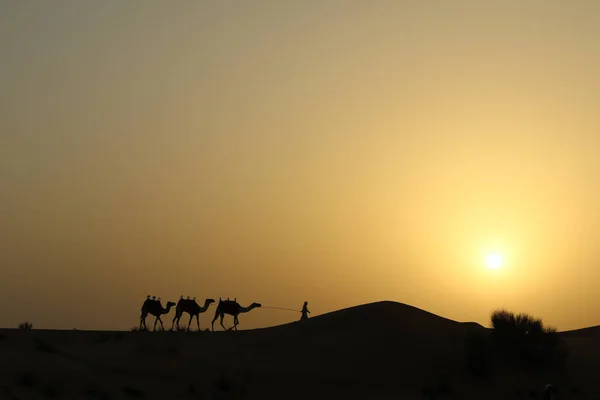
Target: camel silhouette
(233, 308)
(154, 307)
(191, 307)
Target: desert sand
(383, 350)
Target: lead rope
(279, 308)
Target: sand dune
(379, 351)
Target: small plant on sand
(524, 340)
(516, 339)
(25, 326)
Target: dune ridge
(376, 350)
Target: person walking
(304, 311)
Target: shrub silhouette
(524, 340)
(516, 339)
(25, 326)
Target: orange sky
(338, 152)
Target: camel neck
(246, 309)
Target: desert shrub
(524, 340)
(25, 326)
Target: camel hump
(228, 305)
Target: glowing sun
(494, 261)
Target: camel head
(207, 304)
(171, 304)
(255, 305)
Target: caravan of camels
(154, 307)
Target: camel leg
(198, 321)
(214, 319)
(143, 320)
(223, 315)
(161, 323)
(235, 322)
(190, 322)
(173, 323)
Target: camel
(191, 307)
(231, 307)
(154, 307)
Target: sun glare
(494, 261)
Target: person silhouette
(304, 311)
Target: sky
(338, 152)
